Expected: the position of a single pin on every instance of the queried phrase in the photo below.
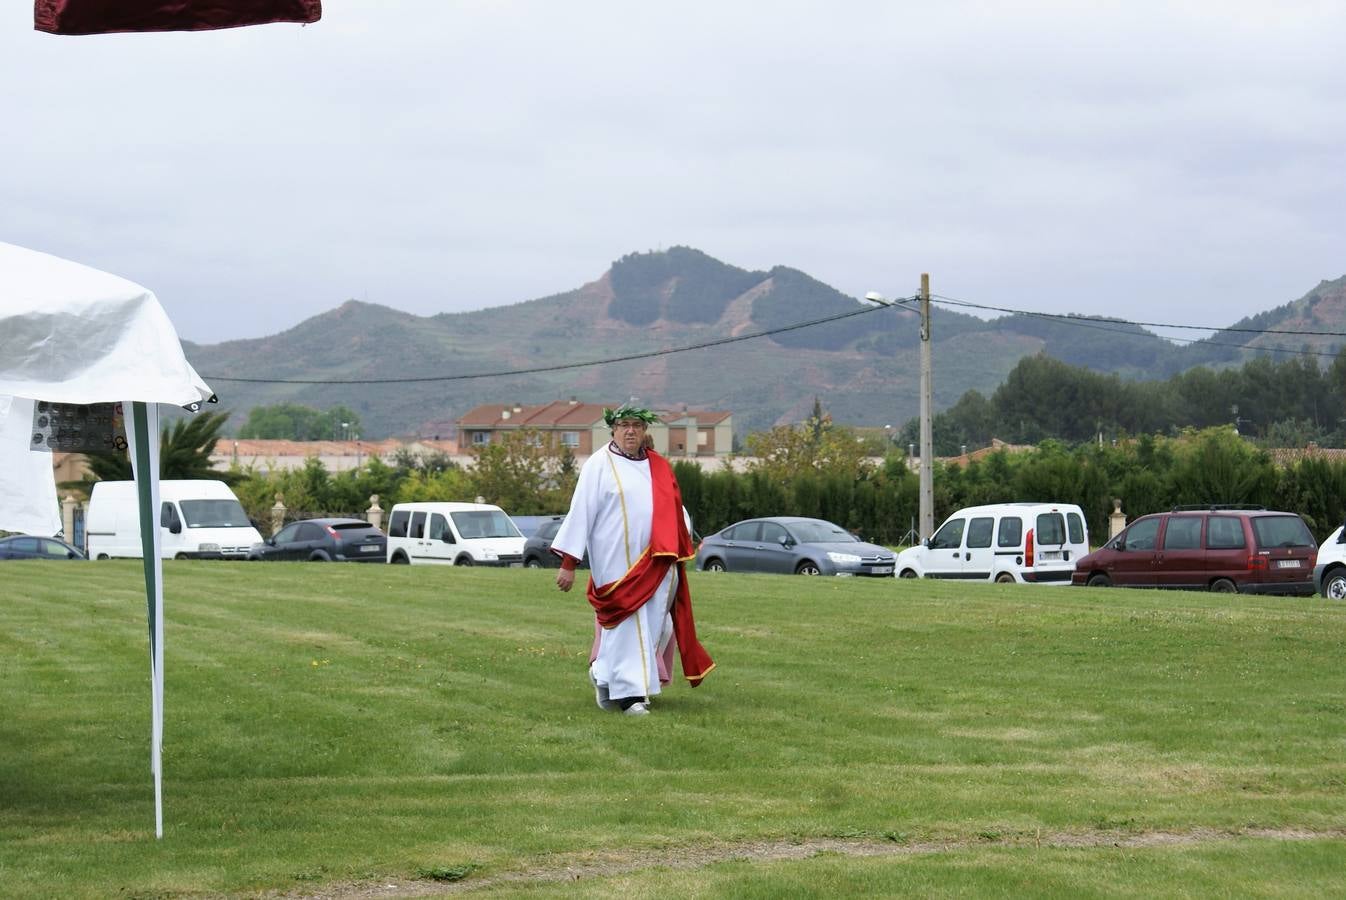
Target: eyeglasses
(636, 425)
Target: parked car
(324, 540)
(198, 519)
(1216, 548)
(790, 544)
(1329, 574)
(537, 549)
(1008, 543)
(23, 546)
(453, 534)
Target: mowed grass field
(344, 730)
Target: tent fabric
(106, 16)
(26, 481)
(72, 334)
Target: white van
(1036, 543)
(197, 520)
(453, 534)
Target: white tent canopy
(71, 334)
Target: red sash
(670, 544)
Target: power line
(1097, 323)
(1068, 317)
(907, 303)
(562, 366)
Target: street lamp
(927, 491)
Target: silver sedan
(792, 545)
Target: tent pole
(143, 437)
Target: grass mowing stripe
(333, 722)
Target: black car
(324, 540)
(537, 549)
(22, 546)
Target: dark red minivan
(1228, 549)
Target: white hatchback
(1034, 543)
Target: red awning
(105, 16)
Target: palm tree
(184, 452)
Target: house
(580, 427)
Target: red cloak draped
(670, 544)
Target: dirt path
(600, 865)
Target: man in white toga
(627, 513)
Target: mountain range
(863, 364)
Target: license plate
(1049, 554)
(369, 548)
(1287, 564)
(882, 570)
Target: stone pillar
(375, 512)
(68, 507)
(278, 513)
(1116, 520)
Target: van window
(1141, 535)
(484, 523)
(439, 529)
(397, 526)
(222, 513)
(1282, 531)
(1011, 532)
(1225, 533)
(949, 536)
(1051, 528)
(418, 525)
(979, 532)
(1183, 533)
(1075, 525)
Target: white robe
(610, 517)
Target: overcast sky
(1171, 162)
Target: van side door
(441, 545)
(1131, 562)
(1180, 561)
(978, 555)
(943, 557)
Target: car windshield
(820, 533)
(490, 523)
(214, 514)
(1282, 531)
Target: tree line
(821, 475)
(1286, 403)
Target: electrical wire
(910, 304)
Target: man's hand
(565, 579)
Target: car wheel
(400, 559)
(907, 573)
(1334, 585)
(181, 556)
(319, 557)
(532, 563)
(807, 567)
(1004, 578)
(1223, 586)
(713, 565)
(103, 556)
(1100, 580)
(463, 560)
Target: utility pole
(927, 459)
(927, 475)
